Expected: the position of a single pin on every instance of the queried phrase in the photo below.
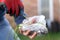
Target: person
(13, 8)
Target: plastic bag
(35, 24)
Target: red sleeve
(14, 5)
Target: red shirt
(13, 4)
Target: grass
(49, 36)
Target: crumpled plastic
(36, 24)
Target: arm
(21, 17)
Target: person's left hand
(28, 33)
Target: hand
(28, 33)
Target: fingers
(33, 35)
(28, 33)
(25, 32)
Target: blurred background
(49, 8)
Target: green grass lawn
(49, 36)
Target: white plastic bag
(36, 24)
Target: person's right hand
(28, 33)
